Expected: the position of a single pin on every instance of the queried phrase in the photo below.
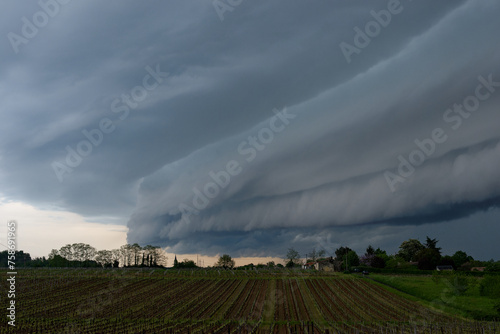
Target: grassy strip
(440, 295)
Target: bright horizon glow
(40, 231)
(209, 261)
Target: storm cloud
(252, 130)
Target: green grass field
(444, 294)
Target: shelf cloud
(256, 128)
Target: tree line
(412, 253)
(85, 255)
(225, 261)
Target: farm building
(321, 264)
(324, 265)
(309, 265)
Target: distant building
(444, 268)
(325, 265)
(309, 265)
(477, 268)
(321, 264)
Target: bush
(428, 259)
(397, 262)
(458, 281)
(490, 286)
(378, 262)
(493, 266)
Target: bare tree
(85, 252)
(76, 252)
(225, 261)
(150, 252)
(293, 257)
(116, 256)
(136, 251)
(66, 252)
(126, 252)
(159, 257)
(104, 257)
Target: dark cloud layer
(318, 177)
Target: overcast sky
(248, 127)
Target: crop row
(131, 303)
